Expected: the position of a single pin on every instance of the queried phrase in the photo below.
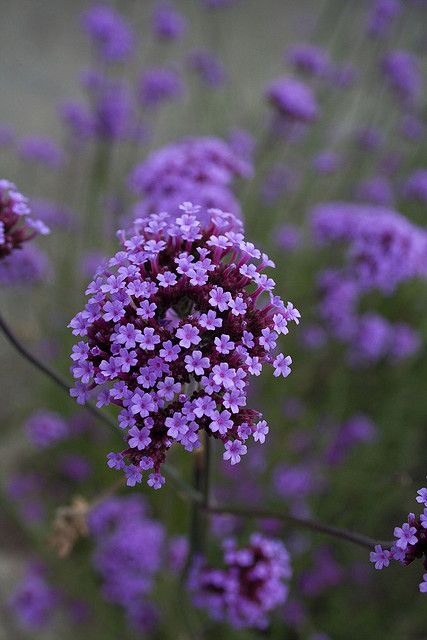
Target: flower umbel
(175, 325)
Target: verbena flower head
(415, 187)
(208, 67)
(401, 68)
(308, 58)
(175, 325)
(28, 266)
(250, 585)
(198, 170)
(167, 23)
(293, 99)
(45, 428)
(382, 15)
(159, 85)
(110, 32)
(128, 554)
(16, 224)
(41, 149)
(33, 600)
(410, 541)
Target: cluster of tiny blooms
(128, 554)
(384, 249)
(34, 599)
(16, 224)
(410, 543)
(176, 324)
(45, 428)
(252, 583)
(199, 170)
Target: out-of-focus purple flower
(16, 225)
(110, 32)
(78, 120)
(401, 69)
(76, 467)
(281, 179)
(369, 138)
(128, 554)
(113, 111)
(45, 428)
(41, 149)
(167, 22)
(405, 341)
(313, 336)
(326, 162)
(288, 237)
(356, 430)
(296, 481)
(177, 553)
(343, 76)
(159, 85)
(208, 67)
(252, 583)
(382, 15)
(308, 58)
(91, 262)
(293, 99)
(412, 127)
(242, 143)
(34, 600)
(198, 170)
(415, 186)
(324, 573)
(52, 214)
(377, 190)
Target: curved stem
(47, 371)
(307, 523)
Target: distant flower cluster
(384, 250)
(198, 170)
(128, 555)
(251, 584)
(410, 543)
(34, 599)
(16, 224)
(176, 323)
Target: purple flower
(167, 23)
(177, 359)
(159, 85)
(382, 15)
(415, 187)
(34, 600)
(250, 585)
(401, 69)
(43, 150)
(422, 496)
(110, 32)
(380, 557)
(308, 58)
(405, 535)
(208, 67)
(293, 99)
(16, 225)
(45, 428)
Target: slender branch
(47, 371)
(307, 523)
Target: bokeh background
(370, 484)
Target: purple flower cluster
(384, 250)
(28, 266)
(110, 32)
(45, 428)
(401, 69)
(167, 23)
(159, 85)
(43, 150)
(176, 323)
(198, 170)
(16, 225)
(208, 67)
(293, 99)
(251, 585)
(415, 187)
(382, 15)
(34, 600)
(410, 543)
(309, 59)
(128, 555)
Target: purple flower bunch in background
(34, 600)
(198, 170)
(110, 32)
(251, 584)
(129, 548)
(16, 224)
(384, 250)
(176, 323)
(410, 543)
